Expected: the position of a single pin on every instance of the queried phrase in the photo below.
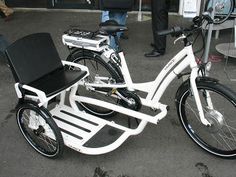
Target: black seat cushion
(34, 61)
(57, 81)
(32, 57)
(111, 27)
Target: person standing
(159, 22)
(119, 17)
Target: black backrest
(33, 57)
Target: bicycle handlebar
(177, 31)
(173, 31)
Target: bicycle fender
(198, 79)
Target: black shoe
(152, 45)
(154, 53)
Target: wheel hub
(39, 130)
(216, 120)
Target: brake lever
(181, 37)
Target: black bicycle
(223, 9)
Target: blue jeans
(119, 17)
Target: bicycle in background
(223, 9)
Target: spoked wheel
(100, 72)
(40, 131)
(219, 109)
(223, 9)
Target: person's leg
(123, 17)
(104, 16)
(120, 18)
(154, 26)
(161, 21)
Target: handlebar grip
(175, 31)
(165, 32)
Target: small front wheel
(219, 109)
(40, 131)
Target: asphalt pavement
(162, 150)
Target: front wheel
(218, 104)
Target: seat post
(117, 42)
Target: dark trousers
(159, 22)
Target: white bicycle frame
(154, 89)
(70, 119)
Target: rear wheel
(40, 131)
(220, 138)
(100, 72)
(223, 9)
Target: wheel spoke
(44, 136)
(97, 67)
(49, 144)
(220, 138)
(217, 140)
(223, 138)
(24, 117)
(228, 127)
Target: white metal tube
(164, 71)
(193, 77)
(209, 34)
(126, 111)
(170, 78)
(140, 11)
(125, 70)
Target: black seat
(111, 27)
(34, 61)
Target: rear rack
(85, 39)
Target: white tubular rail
(126, 111)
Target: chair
(40, 75)
(35, 62)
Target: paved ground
(162, 150)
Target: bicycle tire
(40, 130)
(218, 139)
(92, 60)
(223, 10)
